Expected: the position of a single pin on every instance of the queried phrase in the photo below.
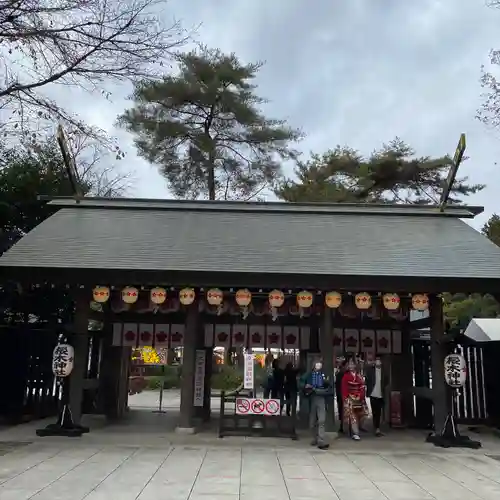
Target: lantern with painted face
(276, 300)
(243, 299)
(391, 301)
(333, 300)
(158, 295)
(304, 300)
(62, 360)
(215, 297)
(420, 302)
(186, 296)
(100, 294)
(363, 300)
(130, 295)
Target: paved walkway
(75, 472)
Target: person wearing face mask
(375, 388)
(317, 389)
(353, 394)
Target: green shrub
(226, 378)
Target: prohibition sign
(258, 406)
(242, 405)
(272, 407)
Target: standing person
(338, 393)
(317, 389)
(291, 386)
(354, 400)
(376, 384)
(278, 380)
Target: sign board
(258, 406)
(199, 378)
(457, 159)
(248, 379)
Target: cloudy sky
(356, 72)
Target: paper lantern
(62, 360)
(304, 299)
(333, 300)
(363, 300)
(391, 301)
(100, 294)
(186, 296)
(420, 302)
(130, 295)
(276, 298)
(455, 370)
(158, 295)
(215, 297)
(243, 297)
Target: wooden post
(80, 341)
(326, 346)
(186, 421)
(440, 393)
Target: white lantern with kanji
(304, 300)
(455, 370)
(130, 295)
(100, 294)
(62, 360)
(391, 301)
(186, 296)
(276, 300)
(420, 302)
(158, 295)
(243, 299)
(363, 300)
(333, 300)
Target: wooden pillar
(80, 342)
(326, 346)
(186, 421)
(207, 400)
(440, 393)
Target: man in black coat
(376, 384)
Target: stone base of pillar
(185, 431)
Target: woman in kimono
(354, 399)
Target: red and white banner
(368, 341)
(397, 346)
(291, 337)
(130, 335)
(209, 335)
(239, 335)
(383, 341)
(256, 335)
(256, 406)
(161, 335)
(117, 334)
(223, 336)
(305, 338)
(176, 336)
(273, 337)
(146, 335)
(338, 340)
(351, 340)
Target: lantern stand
(65, 425)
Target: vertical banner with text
(249, 372)
(199, 378)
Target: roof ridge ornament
(457, 160)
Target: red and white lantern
(100, 294)
(276, 300)
(304, 300)
(158, 295)
(420, 302)
(130, 295)
(215, 297)
(391, 301)
(186, 296)
(243, 299)
(363, 300)
(333, 300)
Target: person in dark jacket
(338, 393)
(291, 386)
(376, 384)
(278, 380)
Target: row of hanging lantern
(243, 297)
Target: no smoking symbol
(243, 405)
(272, 407)
(258, 406)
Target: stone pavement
(75, 470)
